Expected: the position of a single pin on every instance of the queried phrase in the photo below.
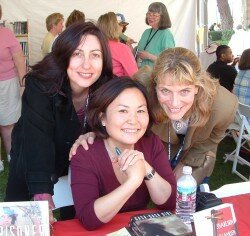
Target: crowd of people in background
(125, 119)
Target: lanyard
(85, 117)
(176, 159)
(149, 39)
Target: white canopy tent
(183, 15)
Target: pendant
(178, 125)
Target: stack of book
(159, 223)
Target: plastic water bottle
(186, 195)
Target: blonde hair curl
(185, 68)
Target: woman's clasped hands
(132, 163)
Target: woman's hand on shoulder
(84, 140)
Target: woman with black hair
(57, 94)
(127, 165)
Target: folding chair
(232, 128)
(244, 136)
(62, 192)
(232, 132)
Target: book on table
(159, 223)
(218, 221)
(24, 218)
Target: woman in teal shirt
(156, 39)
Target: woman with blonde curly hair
(124, 63)
(192, 109)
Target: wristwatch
(150, 175)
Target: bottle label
(184, 194)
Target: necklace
(149, 39)
(180, 126)
(111, 151)
(80, 107)
(85, 117)
(176, 159)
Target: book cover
(121, 232)
(24, 218)
(218, 221)
(160, 223)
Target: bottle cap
(187, 170)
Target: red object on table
(241, 204)
(74, 227)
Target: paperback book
(24, 218)
(154, 224)
(218, 221)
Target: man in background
(220, 68)
(211, 28)
(54, 24)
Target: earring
(103, 123)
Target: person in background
(127, 165)
(124, 38)
(12, 71)
(158, 37)
(192, 112)
(217, 27)
(75, 16)
(242, 81)
(220, 69)
(211, 28)
(143, 76)
(54, 25)
(57, 94)
(124, 63)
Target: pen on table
(118, 151)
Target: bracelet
(150, 175)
